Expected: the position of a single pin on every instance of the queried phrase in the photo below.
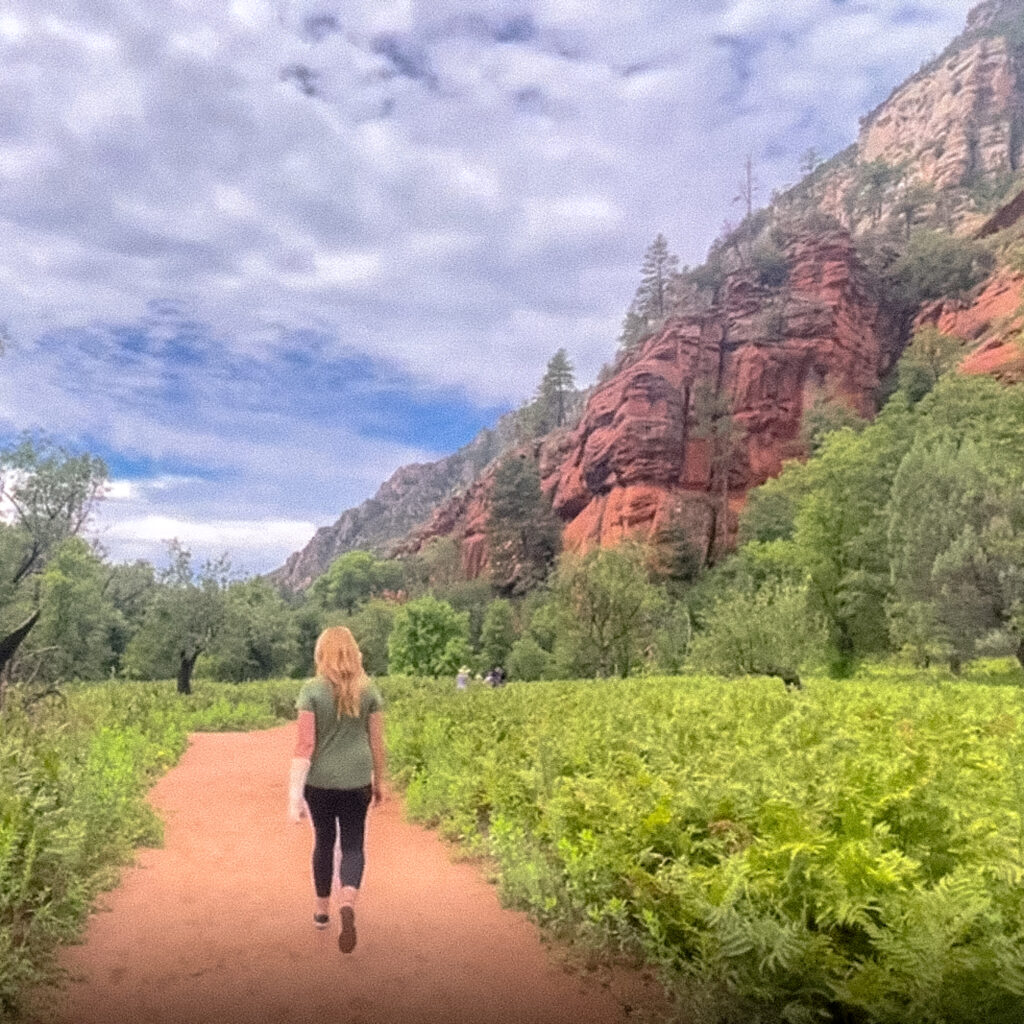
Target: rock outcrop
(713, 406)
(991, 327)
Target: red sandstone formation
(991, 325)
(646, 447)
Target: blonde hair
(339, 661)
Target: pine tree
(652, 302)
(555, 388)
(523, 533)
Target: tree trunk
(185, 667)
(1020, 651)
(10, 643)
(956, 665)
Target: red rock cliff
(713, 405)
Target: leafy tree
(653, 299)
(498, 633)
(873, 184)
(607, 611)
(523, 533)
(674, 560)
(436, 567)
(770, 509)
(72, 638)
(353, 578)
(188, 611)
(823, 418)
(528, 661)
(935, 265)
(129, 589)
(770, 631)
(713, 423)
(929, 355)
(258, 638)
(556, 387)
(428, 638)
(371, 626)
(47, 495)
(956, 540)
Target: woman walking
(338, 769)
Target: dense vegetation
(854, 852)
(73, 774)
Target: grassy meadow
(853, 852)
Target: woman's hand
(379, 793)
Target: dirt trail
(216, 926)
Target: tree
(652, 301)
(527, 660)
(956, 541)
(748, 187)
(607, 611)
(129, 588)
(72, 638)
(770, 631)
(673, 559)
(353, 578)
(937, 265)
(428, 638)
(713, 422)
(371, 626)
(523, 533)
(258, 638)
(186, 614)
(46, 496)
(824, 417)
(556, 386)
(498, 633)
(929, 355)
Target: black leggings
(335, 811)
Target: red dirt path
(216, 926)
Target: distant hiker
(462, 679)
(338, 768)
(496, 677)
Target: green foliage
(187, 612)
(606, 611)
(935, 265)
(428, 638)
(768, 259)
(371, 626)
(853, 852)
(353, 578)
(556, 388)
(527, 660)
(654, 297)
(73, 637)
(769, 631)
(929, 355)
(498, 633)
(824, 417)
(258, 638)
(73, 777)
(523, 533)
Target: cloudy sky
(259, 253)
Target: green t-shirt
(341, 758)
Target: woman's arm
(375, 727)
(305, 743)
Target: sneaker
(347, 936)
(321, 921)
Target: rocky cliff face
(991, 327)
(403, 502)
(712, 406)
(956, 127)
